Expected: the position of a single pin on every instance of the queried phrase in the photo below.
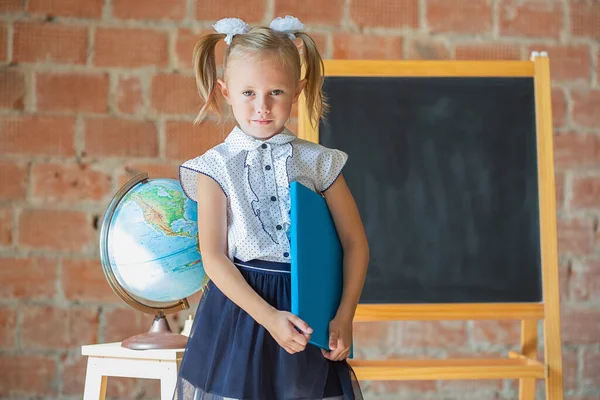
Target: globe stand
(159, 336)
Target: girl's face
(261, 92)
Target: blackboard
(444, 172)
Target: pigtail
(316, 102)
(206, 74)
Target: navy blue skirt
(230, 356)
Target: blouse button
(268, 167)
(273, 198)
(264, 146)
(278, 227)
(286, 254)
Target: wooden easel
(523, 365)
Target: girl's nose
(263, 107)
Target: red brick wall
(92, 91)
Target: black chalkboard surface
(444, 172)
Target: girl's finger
(300, 324)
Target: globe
(150, 254)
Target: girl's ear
(299, 88)
(224, 90)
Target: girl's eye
(277, 92)
(248, 93)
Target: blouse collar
(238, 139)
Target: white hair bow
(231, 27)
(288, 25)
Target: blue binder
(316, 263)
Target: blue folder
(316, 263)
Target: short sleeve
(207, 164)
(331, 163)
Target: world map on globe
(152, 242)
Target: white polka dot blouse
(255, 176)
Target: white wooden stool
(110, 359)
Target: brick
(575, 236)
(184, 47)
(131, 48)
(580, 325)
(586, 104)
(8, 327)
(432, 334)
(6, 226)
(55, 230)
(3, 43)
(84, 280)
(175, 94)
(530, 18)
(154, 170)
(45, 42)
(48, 327)
(584, 18)
(483, 387)
(73, 375)
(487, 51)
(459, 16)
(13, 180)
(12, 6)
(428, 49)
(395, 388)
(565, 272)
(598, 67)
(185, 140)
(570, 368)
(567, 63)
(67, 8)
(385, 13)
(590, 370)
(212, 10)
(125, 322)
(559, 108)
(69, 182)
(130, 96)
(149, 9)
(497, 332)
(111, 137)
(73, 92)
(559, 182)
(312, 11)
(37, 135)
(27, 278)
(585, 282)
(585, 190)
(358, 46)
(25, 375)
(12, 89)
(573, 149)
(374, 339)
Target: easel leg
(554, 377)
(95, 382)
(529, 341)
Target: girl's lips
(262, 121)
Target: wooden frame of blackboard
(523, 365)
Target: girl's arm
(212, 234)
(356, 258)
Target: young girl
(244, 343)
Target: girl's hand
(340, 339)
(282, 326)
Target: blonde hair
(260, 39)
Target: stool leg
(95, 382)
(168, 382)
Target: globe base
(159, 336)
